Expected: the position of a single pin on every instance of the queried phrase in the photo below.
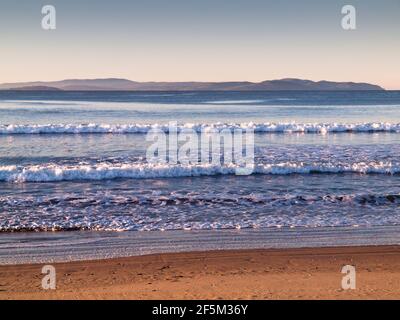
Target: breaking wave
(92, 128)
(107, 171)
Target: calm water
(76, 161)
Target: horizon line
(177, 81)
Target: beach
(82, 189)
(302, 273)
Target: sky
(202, 40)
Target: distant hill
(35, 88)
(128, 85)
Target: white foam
(292, 127)
(106, 171)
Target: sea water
(77, 161)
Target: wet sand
(310, 273)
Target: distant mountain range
(113, 84)
(35, 88)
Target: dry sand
(313, 273)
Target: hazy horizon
(182, 41)
(194, 80)
(50, 83)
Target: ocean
(76, 161)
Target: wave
(86, 201)
(113, 212)
(92, 128)
(108, 171)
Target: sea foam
(107, 171)
(292, 127)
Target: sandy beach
(309, 273)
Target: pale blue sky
(219, 40)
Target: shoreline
(301, 273)
(57, 247)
